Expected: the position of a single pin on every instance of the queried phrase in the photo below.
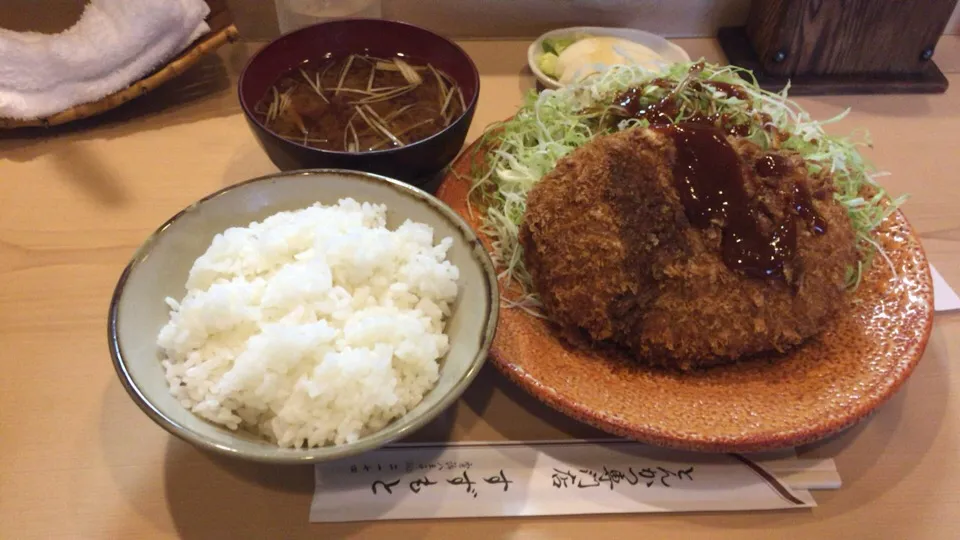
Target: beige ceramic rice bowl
(152, 288)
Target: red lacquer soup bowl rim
(319, 29)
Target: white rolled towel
(115, 43)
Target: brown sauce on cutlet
(772, 166)
(731, 90)
(777, 166)
(708, 177)
(803, 206)
(706, 174)
(661, 112)
(665, 111)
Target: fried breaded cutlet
(623, 248)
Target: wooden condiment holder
(841, 47)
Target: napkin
(944, 298)
(115, 43)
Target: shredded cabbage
(549, 125)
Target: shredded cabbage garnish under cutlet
(521, 150)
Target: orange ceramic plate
(830, 383)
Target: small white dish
(671, 53)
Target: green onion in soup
(361, 103)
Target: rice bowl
(312, 326)
(161, 267)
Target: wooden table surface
(79, 460)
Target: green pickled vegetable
(557, 45)
(547, 63)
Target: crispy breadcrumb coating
(614, 257)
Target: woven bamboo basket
(222, 30)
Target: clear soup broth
(361, 103)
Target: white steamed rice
(314, 326)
